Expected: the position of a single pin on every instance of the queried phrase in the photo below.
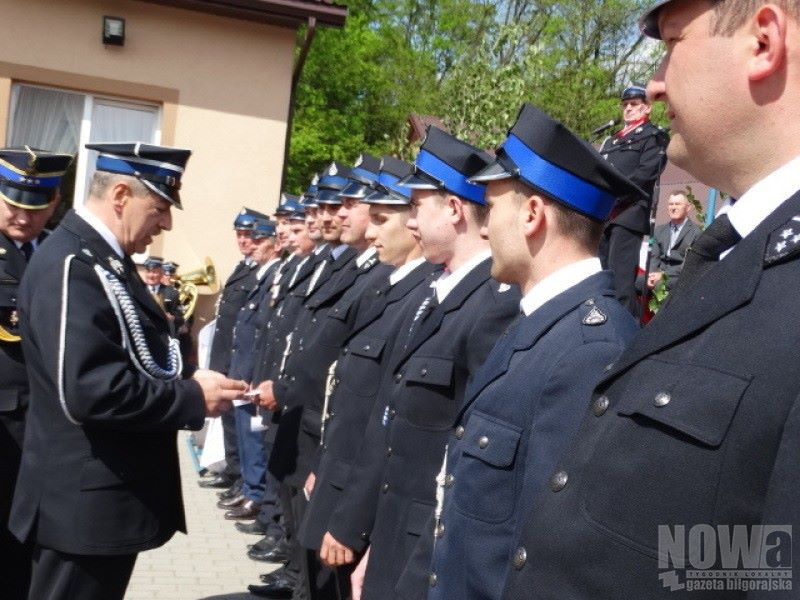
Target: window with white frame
(64, 121)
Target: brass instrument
(188, 283)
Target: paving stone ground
(207, 564)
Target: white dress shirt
(401, 272)
(101, 228)
(448, 281)
(559, 282)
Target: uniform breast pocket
(364, 365)
(661, 460)
(429, 401)
(485, 486)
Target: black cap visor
(501, 168)
(167, 192)
(356, 190)
(328, 196)
(420, 180)
(30, 199)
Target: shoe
(233, 491)
(231, 503)
(265, 543)
(277, 573)
(277, 554)
(244, 511)
(254, 528)
(219, 482)
(279, 587)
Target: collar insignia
(595, 317)
(116, 265)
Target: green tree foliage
(470, 62)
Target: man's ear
(768, 34)
(532, 214)
(457, 210)
(120, 195)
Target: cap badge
(595, 317)
(359, 161)
(333, 170)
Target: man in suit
(240, 283)
(528, 399)
(361, 362)
(99, 480)
(691, 446)
(249, 426)
(637, 151)
(449, 336)
(165, 295)
(29, 188)
(671, 241)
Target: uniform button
(483, 442)
(392, 413)
(324, 447)
(600, 406)
(291, 378)
(459, 432)
(609, 367)
(345, 350)
(449, 480)
(423, 372)
(662, 399)
(389, 451)
(433, 580)
(313, 319)
(364, 536)
(558, 481)
(385, 488)
(520, 558)
(366, 347)
(439, 530)
(398, 377)
(331, 413)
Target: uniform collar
(401, 272)
(101, 228)
(448, 281)
(365, 256)
(559, 282)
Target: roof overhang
(286, 13)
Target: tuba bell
(188, 283)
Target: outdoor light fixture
(114, 31)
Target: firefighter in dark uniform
(683, 481)
(449, 336)
(240, 283)
(29, 190)
(638, 152)
(527, 400)
(99, 480)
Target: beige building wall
(223, 84)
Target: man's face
(355, 219)
(510, 254)
(699, 79)
(282, 230)
(313, 224)
(142, 218)
(431, 224)
(244, 241)
(153, 275)
(262, 249)
(389, 233)
(677, 207)
(330, 223)
(23, 224)
(634, 110)
(167, 278)
(300, 241)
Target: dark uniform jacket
(523, 407)
(237, 287)
(282, 318)
(359, 369)
(702, 427)
(99, 473)
(640, 156)
(670, 260)
(323, 324)
(423, 393)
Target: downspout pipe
(311, 30)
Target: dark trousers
(61, 576)
(15, 566)
(619, 252)
(232, 467)
(271, 515)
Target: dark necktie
(27, 250)
(704, 252)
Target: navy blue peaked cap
(545, 155)
(159, 168)
(388, 189)
(446, 163)
(332, 181)
(263, 228)
(153, 262)
(29, 177)
(309, 198)
(363, 176)
(170, 267)
(634, 90)
(246, 219)
(287, 204)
